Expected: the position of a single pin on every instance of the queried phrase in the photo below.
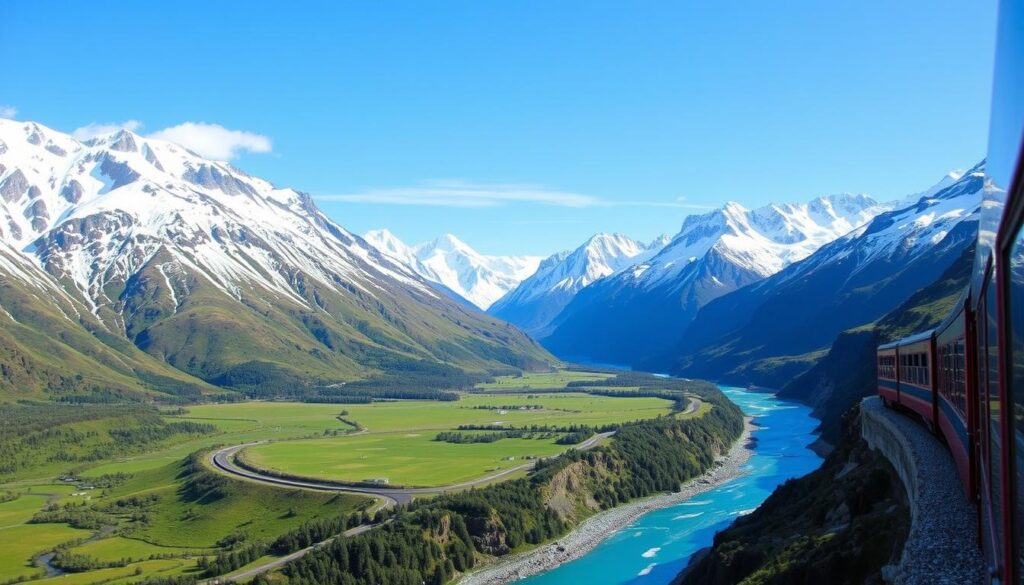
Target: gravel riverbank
(595, 529)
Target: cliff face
(841, 524)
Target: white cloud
(458, 193)
(213, 140)
(96, 129)
(676, 204)
(8, 111)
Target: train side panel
(915, 378)
(887, 384)
(953, 400)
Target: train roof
(922, 336)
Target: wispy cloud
(97, 128)
(8, 111)
(672, 204)
(459, 193)
(540, 221)
(213, 140)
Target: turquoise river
(656, 547)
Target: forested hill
(435, 539)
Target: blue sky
(524, 127)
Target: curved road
(223, 459)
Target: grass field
(400, 445)
(19, 511)
(130, 574)
(404, 459)
(258, 512)
(22, 543)
(116, 548)
(557, 379)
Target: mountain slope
(540, 298)
(217, 273)
(456, 266)
(847, 373)
(642, 311)
(854, 280)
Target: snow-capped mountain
(540, 298)
(452, 263)
(152, 243)
(629, 316)
(847, 283)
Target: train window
(994, 437)
(1015, 320)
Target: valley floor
(123, 495)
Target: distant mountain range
(540, 298)
(132, 265)
(642, 311)
(457, 267)
(773, 330)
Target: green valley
(125, 493)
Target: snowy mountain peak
(761, 241)
(95, 213)
(539, 298)
(448, 243)
(449, 261)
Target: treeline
(573, 428)
(153, 433)
(433, 539)
(647, 381)
(487, 437)
(425, 547)
(35, 434)
(404, 378)
(680, 401)
(510, 407)
(305, 535)
(571, 435)
(575, 437)
(352, 394)
(76, 515)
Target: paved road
(280, 562)
(223, 459)
(693, 405)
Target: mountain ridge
(448, 261)
(642, 310)
(536, 301)
(853, 280)
(216, 273)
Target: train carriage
(966, 378)
(888, 383)
(915, 362)
(955, 396)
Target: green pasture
(412, 459)
(116, 548)
(557, 379)
(23, 542)
(399, 444)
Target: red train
(965, 378)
